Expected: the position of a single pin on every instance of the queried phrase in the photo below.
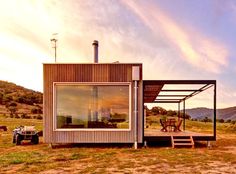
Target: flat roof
(173, 91)
(115, 63)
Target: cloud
(196, 49)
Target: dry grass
(27, 158)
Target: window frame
(129, 84)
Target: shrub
(171, 113)
(221, 120)
(39, 117)
(17, 116)
(36, 110)
(23, 115)
(206, 119)
(12, 107)
(28, 117)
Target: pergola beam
(205, 87)
(171, 95)
(179, 82)
(163, 102)
(179, 90)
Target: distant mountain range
(200, 113)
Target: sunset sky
(174, 39)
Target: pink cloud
(195, 48)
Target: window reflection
(92, 106)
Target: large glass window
(80, 106)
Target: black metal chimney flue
(95, 46)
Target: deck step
(182, 141)
(183, 144)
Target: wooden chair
(164, 125)
(177, 127)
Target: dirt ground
(217, 159)
(73, 159)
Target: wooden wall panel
(87, 73)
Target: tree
(155, 110)
(171, 113)
(162, 111)
(148, 111)
(221, 120)
(158, 110)
(36, 110)
(12, 108)
(188, 117)
(206, 119)
(6, 99)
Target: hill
(24, 98)
(200, 113)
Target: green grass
(12, 123)
(21, 157)
(39, 158)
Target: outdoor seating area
(170, 125)
(174, 127)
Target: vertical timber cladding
(89, 73)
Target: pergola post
(184, 114)
(178, 110)
(214, 111)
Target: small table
(170, 123)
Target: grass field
(27, 158)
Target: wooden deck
(155, 135)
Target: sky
(174, 39)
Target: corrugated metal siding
(87, 73)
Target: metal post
(208, 144)
(136, 114)
(215, 111)
(178, 110)
(145, 144)
(184, 114)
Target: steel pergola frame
(154, 96)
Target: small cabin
(93, 103)
(104, 103)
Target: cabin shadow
(92, 145)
